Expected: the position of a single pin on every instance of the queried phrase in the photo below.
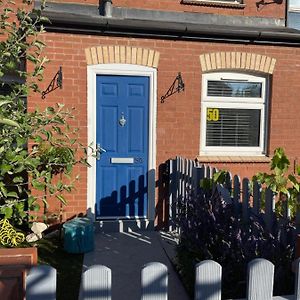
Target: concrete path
(125, 253)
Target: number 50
(212, 114)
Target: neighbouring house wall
(178, 119)
(251, 8)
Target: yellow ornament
(9, 236)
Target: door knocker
(122, 120)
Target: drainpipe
(108, 8)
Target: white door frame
(129, 70)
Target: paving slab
(125, 253)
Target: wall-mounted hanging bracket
(176, 87)
(55, 83)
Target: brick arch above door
(237, 61)
(122, 55)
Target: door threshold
(125, 225)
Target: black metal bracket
(55, 83)
(173, 88)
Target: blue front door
(122, 131)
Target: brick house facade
(196, 38)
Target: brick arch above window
(122, 55)
(238, 61)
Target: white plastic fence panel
(96, 283)
(41, 283)
(297, 279)
(260, 280)
(208, 280)
(154, 280)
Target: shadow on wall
(132, 200)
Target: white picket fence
(185, 176)
(96, 282)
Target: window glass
(294, 3)
(293, 14)
(232, 127)
(225, 88)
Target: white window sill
(233, 159)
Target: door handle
(99, 151)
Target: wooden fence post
(286, 210)
(96, 283)
(236, 192)
(172, 193)
(208, 280)
(180, 183)
(190, 166)
(228, 182)
(269, 209)
(154, 280)
(246, 195)
(260, 280)
(41, 283)
(197, 175)
(256, 198)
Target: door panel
(122, 130)
(136, 130)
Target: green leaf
(12, 195)
(32, 58)
(220, 176)
(7, 211)
(4, 102)
(206, 183)
(61, 199)
(5, 168)
(298, 170)
(38, 139)
(36, 207)
(9, 122)
(3, 191)
(18, 179)
(37, 185)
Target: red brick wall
(269, 10)
(178, 119)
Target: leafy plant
(220, 177)
(211, 229)
(38, 148)
(284, 185)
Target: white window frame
(260, 103)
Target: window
(233, 114)
(293, 14)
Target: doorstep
(136, 225)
